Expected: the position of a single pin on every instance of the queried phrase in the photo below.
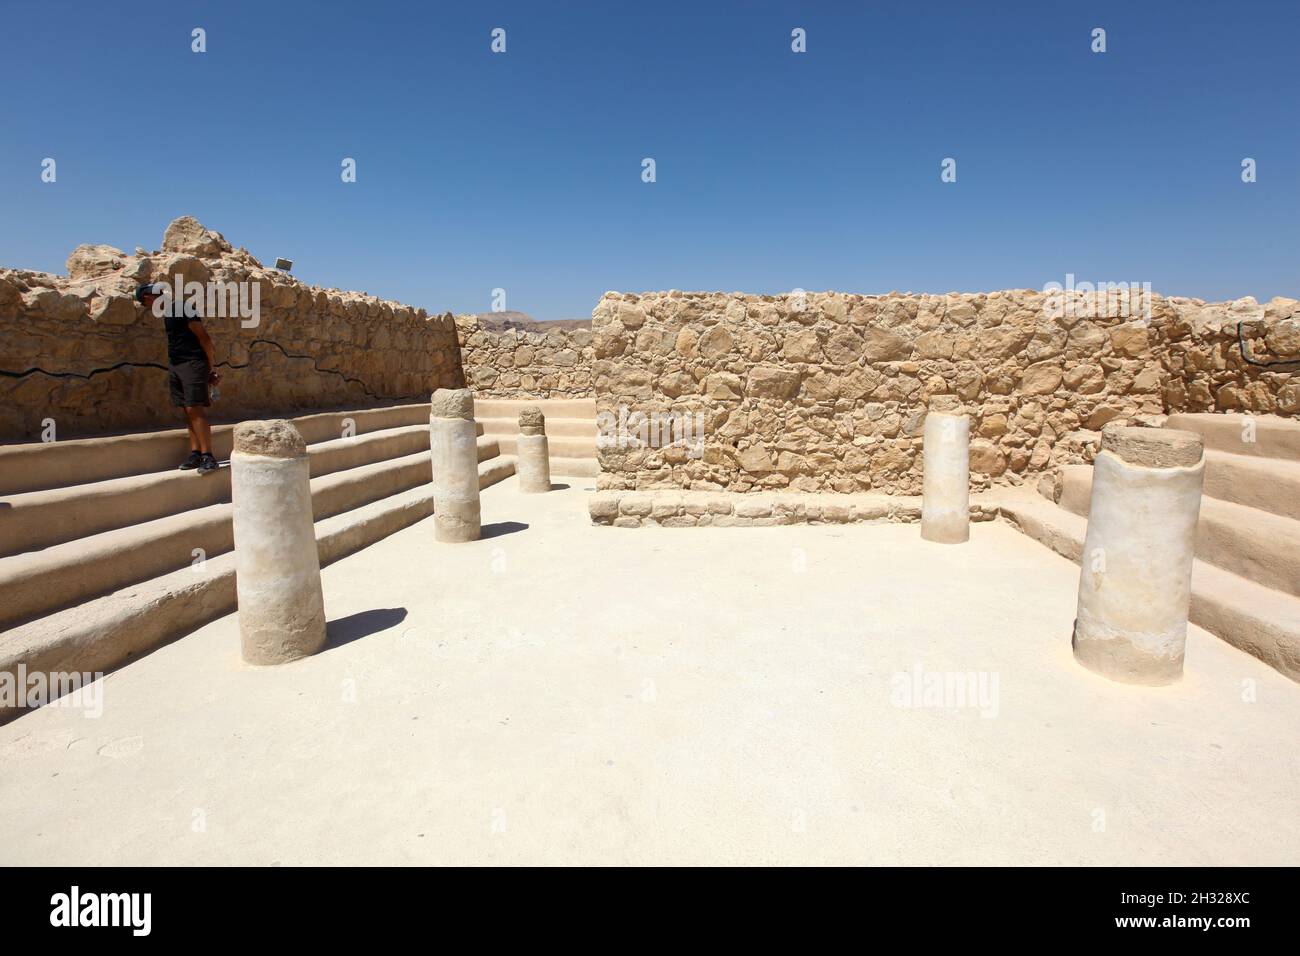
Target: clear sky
(775, 170)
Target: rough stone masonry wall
(531, 362)
(832, 396)
(1199, 352)
(88, 349)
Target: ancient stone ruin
(829, 391)
(392, 484)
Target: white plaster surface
(565, 693)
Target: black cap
(149, 288)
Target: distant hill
(523, 322)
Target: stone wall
(1200, 358)
(828, 392)
(95, 361)
(700, 509)
(526, 359)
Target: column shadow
(345, 630)
(498, 528)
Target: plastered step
(115, 628)
(339, 454)
(1045, 522)
(37, 582)
(488, 447)
(35, 466)
(574, 467)
(556, 447)
(59, 576)
(551, 407)
(495, 469)
(1076, 489)
(555, 427)
(1274, 436)
(344, 453)
(40, 519)
(344, 490)
(1269, 484)
(1259, 620)
(1255, 544)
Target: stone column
(1135, 583)
(277, 571)
(945, 503)
(532, 459)
(454, 447)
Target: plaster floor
(563, 693)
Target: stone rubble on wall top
(200, 254)
(331, 348)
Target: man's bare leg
(200, 429)
(189, 426)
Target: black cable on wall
(1241, 343)
(37, 370)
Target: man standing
(193, 369)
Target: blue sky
(775, 170)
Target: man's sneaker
(206, 464)
(192, 462)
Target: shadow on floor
(356, 626)
(558, 487)
(498, 528)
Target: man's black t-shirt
(182, 344)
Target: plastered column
(453, 445)
(1135, 583)
(533, 457)
(945, 503)
(277, 571)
